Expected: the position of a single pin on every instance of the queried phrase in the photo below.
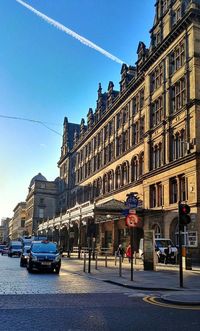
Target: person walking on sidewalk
(120, 251)
(128, 252)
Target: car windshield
(163, 243)
(26, 248)
(44, 248)
(16, 247)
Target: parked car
(160, 245)
(2, 247)
(24, 256)
(15, 248)
(5, 250)
(44, 255)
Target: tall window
(159, 195)
(119, 145)
(134, 169)
(141, 164)
(125, 141)
(118, 177)
(157, 111)
(110, 181)
(124, 173)
(178, 95)
(135, 133)
(118, 119)
(177, 58)
(157, 77)
(178, 145)
(152, 196)
(173, 190)
(125, 115)
(111, 152)
(182, 182)
(157, 156)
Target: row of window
(176, 60)
(123, 175)
(177, 101)
(177, 150)
(178, 191)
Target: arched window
(157, 231)
(125, 169)
(105, 183)
(134, 169)
(118, 177)
(99, 186)
(141, 164)
(110, 181)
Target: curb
(140, 287)
(183, 299)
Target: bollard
(96, 259)
(106, 260)
(120, 266)
(135, 258)
(115, 258)
(84, 262)
(89, 260)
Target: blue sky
(46, 74)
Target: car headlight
(57, 258)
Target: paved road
(74, 302)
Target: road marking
(153, 301)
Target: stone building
(144, 138)
(5, 226)
(18, 221)
(41, 202)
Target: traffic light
(184, 218)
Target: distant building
(18, 221)
(41, 202)
(5, 226)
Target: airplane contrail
(75, 35)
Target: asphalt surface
(164, 278)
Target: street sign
(131, 201)
(133, 220)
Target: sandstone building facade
(144, 138)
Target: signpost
(133, 221)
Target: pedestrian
(120, 251)
(128, 252)
(168, 254)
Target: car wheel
(21, 264)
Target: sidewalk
(165, 278)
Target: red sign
(133, 220)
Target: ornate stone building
(41, 202)
(144, 138)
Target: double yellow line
(154, 301)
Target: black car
(44, 256)
(24, 256)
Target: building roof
(39, 176)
